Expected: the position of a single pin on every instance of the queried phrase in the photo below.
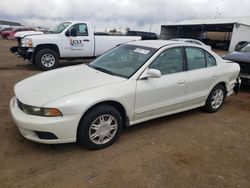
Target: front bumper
(24, 52)
(64, 128)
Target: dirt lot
(190, 149)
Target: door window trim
(87, 30)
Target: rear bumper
(47, 130)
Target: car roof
(76, 21)
(184, 39)
(154, 43)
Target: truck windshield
(124, 60)
(59, 28)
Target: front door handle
(215, 76)
(86, 40)
(181, 82)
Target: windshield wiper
(107, 71)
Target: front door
(159, 96)
(80, 44)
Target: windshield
(59, 28)
(246, 48)
(124, 60)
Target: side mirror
(71, 33)
(67, 33)
(151, 73)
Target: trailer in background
(223, 33)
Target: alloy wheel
(103, 129)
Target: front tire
(215, 99)
(100, 127)
(47, 59)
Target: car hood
(52, 85)
(238, 57)
(22, 34)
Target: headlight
(38, 111)
(26, 42)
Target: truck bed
(102, 43)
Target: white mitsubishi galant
(129, 84)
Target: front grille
(244, 68)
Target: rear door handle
(86, 40)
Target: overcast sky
(135, 14)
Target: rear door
(201, 75)
(81, 45)
(156, 96)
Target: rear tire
(100, 127)
(215, 99)
(47, 59)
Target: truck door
(78, 42)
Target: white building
(219, 31)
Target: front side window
(195, 58)
(123, 60)
(80, 29)
(169, 61)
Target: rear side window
(169, 61)
(195, 58)
(210, 60)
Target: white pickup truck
(68, 40)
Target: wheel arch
(117, 105)
(223, 83)
(53, 47)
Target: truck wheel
(46, 59)
(100, 127)
(215, 99)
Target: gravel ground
(189, 149)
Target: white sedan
(129, 84)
